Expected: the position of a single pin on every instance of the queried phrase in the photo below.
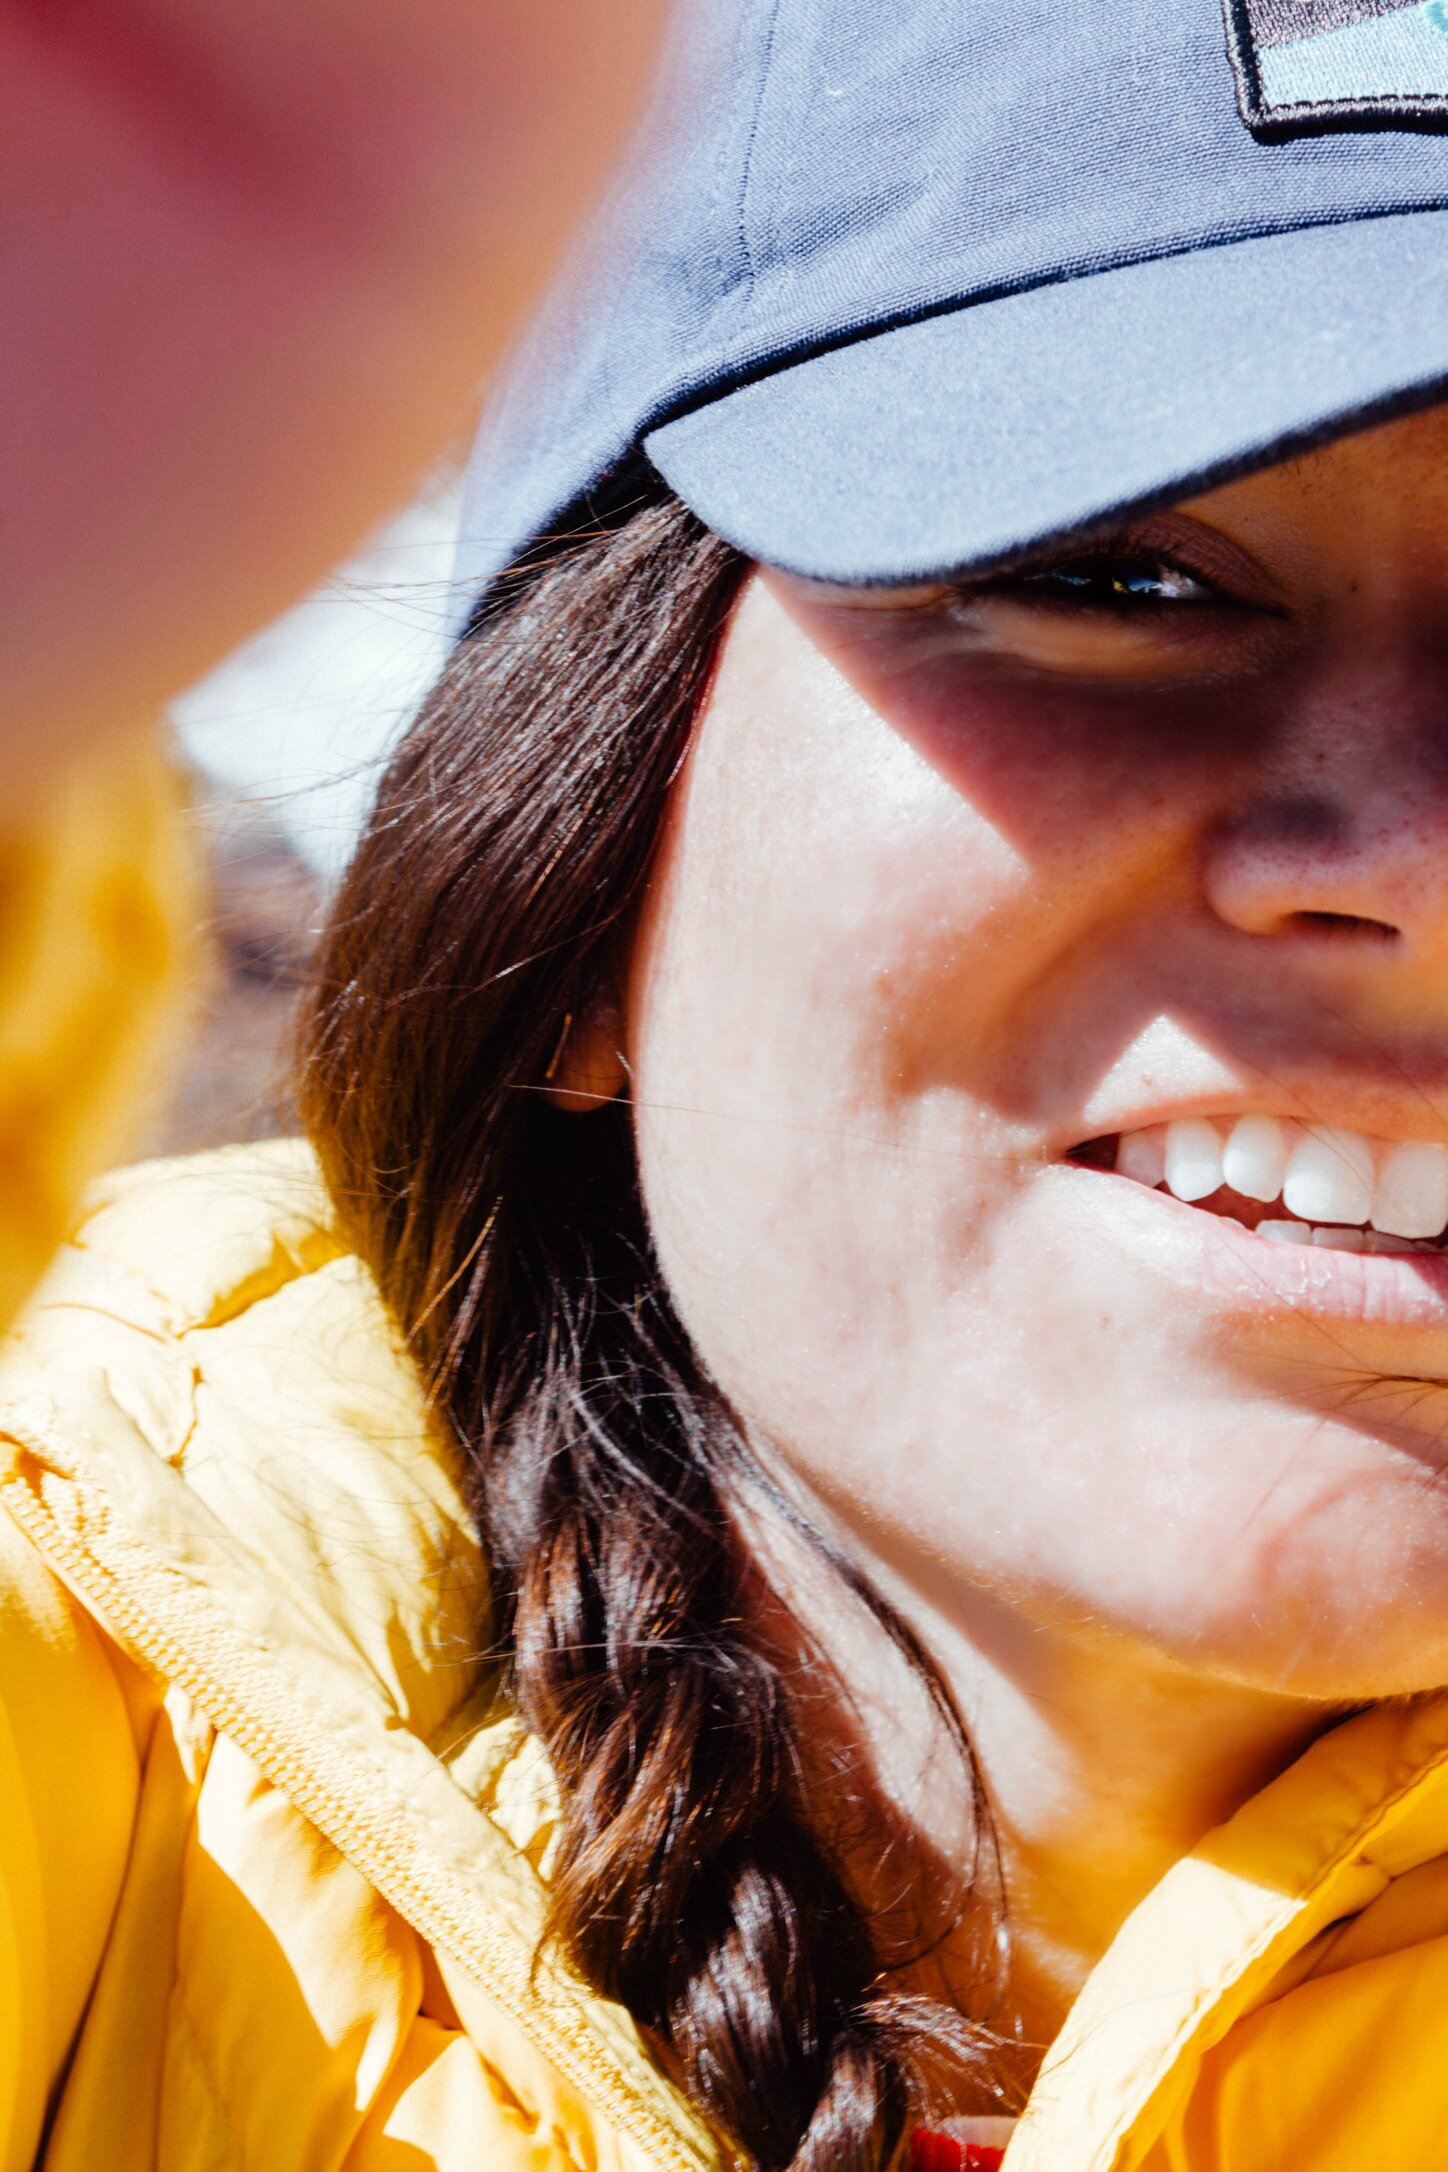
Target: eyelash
(1121, 580)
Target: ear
(588, 1068)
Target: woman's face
(962, 885)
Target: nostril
(1314, 923)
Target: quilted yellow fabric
(260, 1577)
(273, 1849)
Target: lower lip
(1215, 1257)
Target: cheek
(826, 914)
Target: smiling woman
(824, 1543)
(959, 897)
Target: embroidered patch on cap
(1304, 66)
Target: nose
(1301, 864)
(1346, 834)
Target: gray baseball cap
(898, 291)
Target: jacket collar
(1366, 1802)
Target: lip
(1209, 1256)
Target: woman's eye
(1115, 583)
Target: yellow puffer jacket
(273, 1851)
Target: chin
(1299, 1554)
(1332, 1632)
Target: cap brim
(975, 436)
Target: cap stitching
(1318, 116)
(751, 143)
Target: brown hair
(510, 838)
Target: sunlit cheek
(837, 929)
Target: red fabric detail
(942, 2153)
(935, 2152)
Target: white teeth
(1254, 1160)
(1141, 1155)
(1341, 1240)
(1411, 1199)
(1193, 1158)
(1329, 1177)
(1330, 1181)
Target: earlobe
(588, 1069)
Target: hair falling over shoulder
(485, 908)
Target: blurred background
(283, 745)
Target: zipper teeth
(576, 2056)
